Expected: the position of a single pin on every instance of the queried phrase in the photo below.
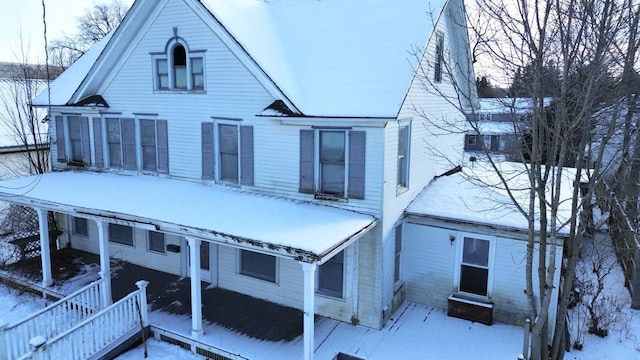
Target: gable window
(404, 134)
(227, 152)
(80, 226)
(178, 68)
(156, 241)
(257, 265)
(474, 267)
(335, 168)
(439, 58)
(398, 253)
(121, 234)
(331, 276)
(72, 139)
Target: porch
(241, 327)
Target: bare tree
(92, 26)
(593, 45)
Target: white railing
(93, 335)
(52, 320)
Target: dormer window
(178, 68)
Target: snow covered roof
(508, 105)
(65, 85)
(476, 195)
(491, 127)
(334, 57)
(294, 229)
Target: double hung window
(332, 162)
(474, 268)
(121, 234)
(403, 156)
(331, 276)
(257, 265)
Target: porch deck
(247, 326)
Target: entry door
(208, 255)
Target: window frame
(124, 242)
(218, 151)
(397, 265)
(140, 147)
(438, 66)
(154, 249)
(403, 160)
(460, 262)
(107, 143)
(257, 274)
(167, 56)
(318, 163)
(339, 258)
(74, 226)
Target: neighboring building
(496, 127)
(269, 148)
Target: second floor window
(227, 152)
(179, 69)
(403, 156)
(72, 140)
(439, 58)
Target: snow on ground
(414, 332)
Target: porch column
(45, 251)
(105, 265)
(196, 289)
(309, 270)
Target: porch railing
(51, 321)
(90, 338)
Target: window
(121, 234)
(75, 138)
(439, 60)
(398, 253)
(332, 163)
(257, 265)
(114, 142)
(403, 156)
(474, 269)
(80, 226)
(148, 145)
(331, 276)
(179, 68)
(471, 139)
(156, 242)
(228, 152)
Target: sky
(23, 18)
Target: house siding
(429, 270)
(433, 150)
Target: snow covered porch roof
(286, 228)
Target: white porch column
(309, 270)
(196, 289)
(45, 251)
(105, 265)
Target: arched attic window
(178, 68)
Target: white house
(266, 147)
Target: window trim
(397, 264)
(105, 140)
(257, 275)
(318, 166)
(490, 264)
(164, 242)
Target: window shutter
(246, 155)
(163, 146)
(307, 179)
(207, 151)
(60, 140)
(86, 149)
(356, 164)
(129, 157)
(97, 141)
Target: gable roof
(337, 58)
(334, 57)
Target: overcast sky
(25, 17)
